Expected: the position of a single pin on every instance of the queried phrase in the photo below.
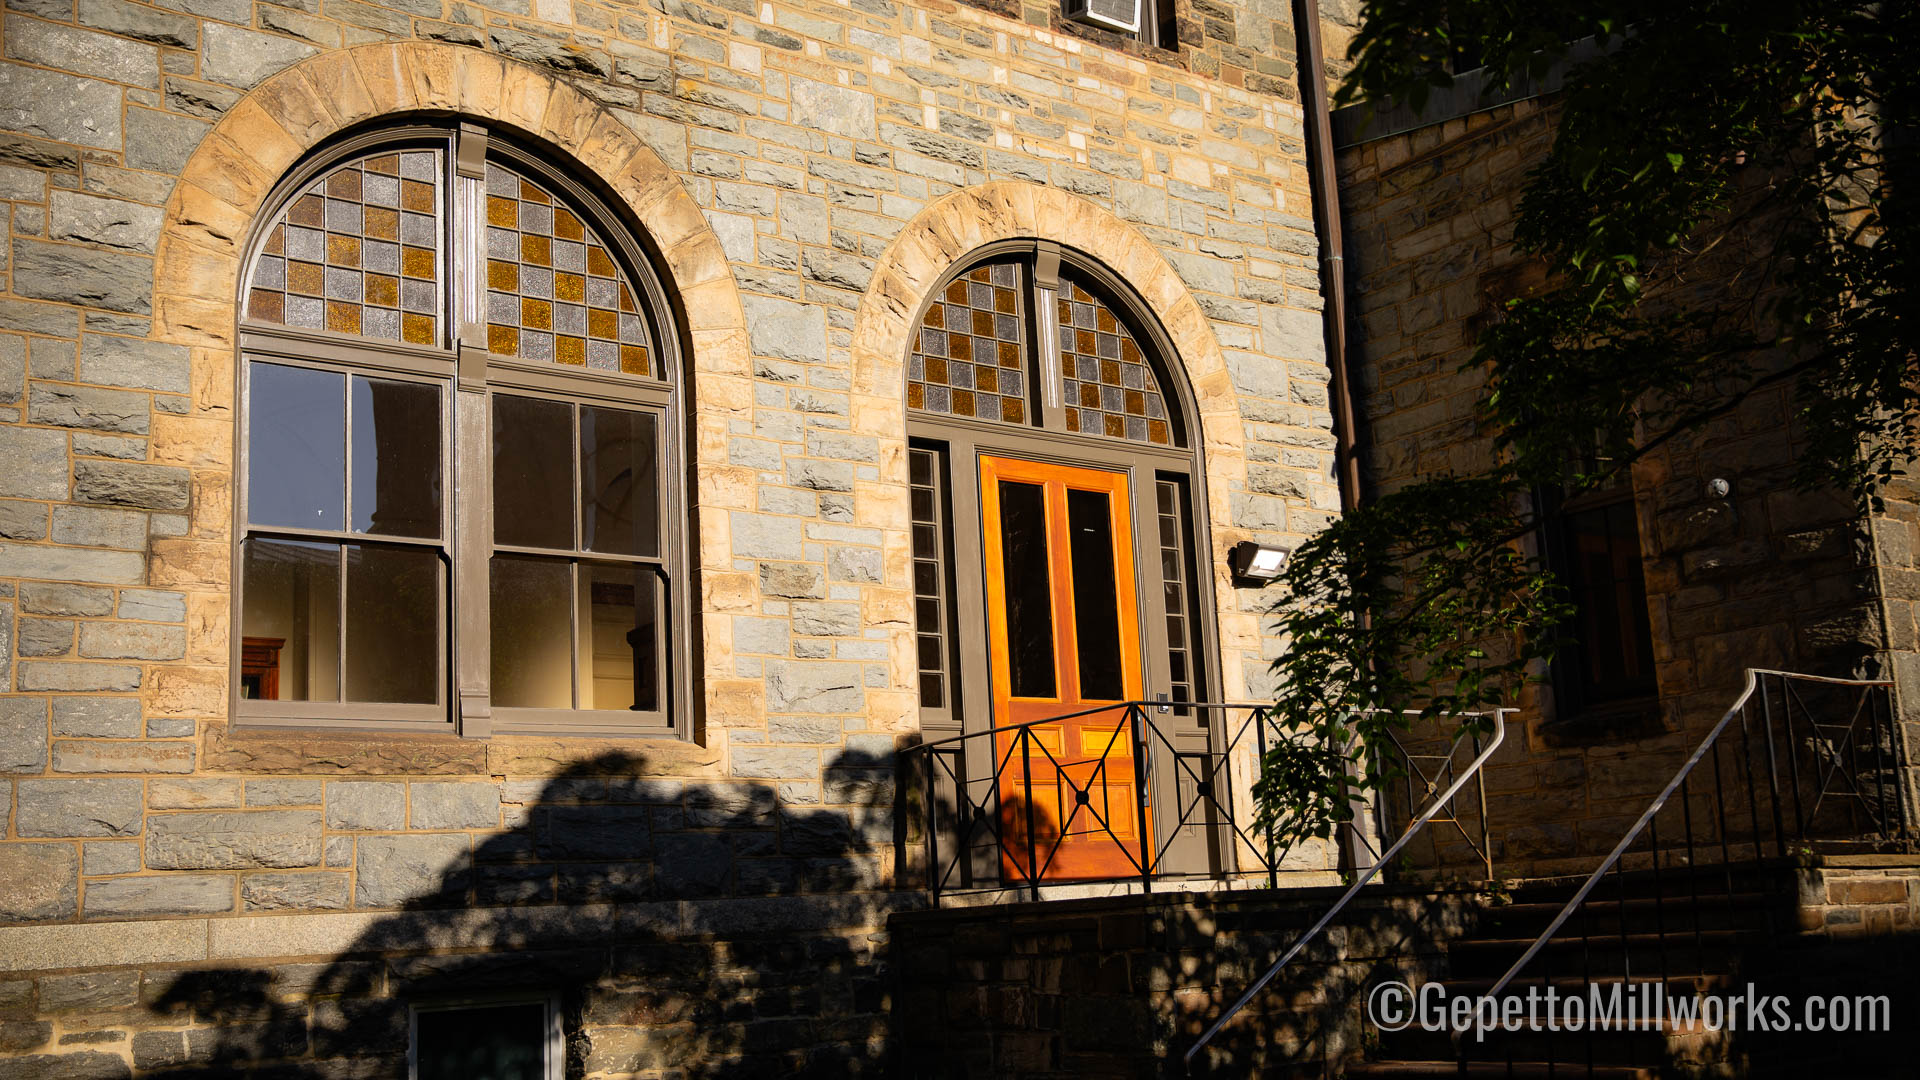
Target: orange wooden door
(1063, 637)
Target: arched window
(458, 463)
(1050, 465)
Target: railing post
(1026, 785)
(1260, 764)
(933, 829)
(1136, 730)
(1773, 776)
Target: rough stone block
(23, 520)
(91, 526)
(45, 637)
(97, 717)
(53, 598)
(83, 52)
(233, 841)
(293, 892)
(122, 756)
(140, 22)
(132, 641)
(36, 463)
(65, 675)
(353, 804)
(150, 605)
(115, 223)
(163, 794)
(90, 991)
(792, 580)
(785, 330)
(71, 564)
(38, 881)
(113, 483)
(798, 687)
(23, 734)
(89, 407)
(593, 832)
(163, 141)
(134, 363)
(243, 58)
(284, 792)
(776, 762)
(757, 536)
(170, 894)
(426, 868)
(78, 808)
(100, 857)
(445, 805)
(92, 277)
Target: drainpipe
(1324, 186)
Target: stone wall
(1763, 577)
(1121, 987)
(806, 170)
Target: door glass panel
(296, 447)
(532, 636)
(532, 472)
(393, 633)
(618, 486)
(292, 602)
(1023, 546)
(1096, 616)
(625, 631)
(396, 458)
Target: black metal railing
(1798, 765)
(998, 807)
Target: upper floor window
(458, 465)
(1607, 665)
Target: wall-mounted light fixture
(1256, 564)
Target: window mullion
(1046, 321)
(472, 473)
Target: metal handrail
(1680, 777)
(1433, 808)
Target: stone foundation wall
(1121, 987)
(1763, 577)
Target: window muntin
(357, 251)
(345, 484)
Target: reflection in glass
(501, 1042)
(292, 601)
(396, 458)
(393, 632)
(532, 636)
(623, 613)
(618, 486)
(532, 472)
(1096, 615)
(1029, 595)
(296, 447)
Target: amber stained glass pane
(1104, 378)
(357, 251)
(967, 356)
(554, 290)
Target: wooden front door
(1063, 637)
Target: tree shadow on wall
(702, 930)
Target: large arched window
(458, 475)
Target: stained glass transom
(358, 252)
(553, 290)
(1107, 386)
(968, 359)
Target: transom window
(458, 460)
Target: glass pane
(296, 447)
(624, 618)
(1029, 589)
(969, 358)
(532, 632)
(393, 624)
(357, 252)
(619, 482)
(1614, 635)
(553, 290)
(532, 472)
(290, 621)
(1096, 606)
(396, 457)
(1105, 380)
(504, 1042)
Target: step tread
(1604, 937)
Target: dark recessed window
(1607, 659)
(486, 1042)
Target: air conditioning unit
(1122, 15)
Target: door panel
(1063, 638)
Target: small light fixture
(1256, 563)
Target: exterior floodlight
(1257, 563)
